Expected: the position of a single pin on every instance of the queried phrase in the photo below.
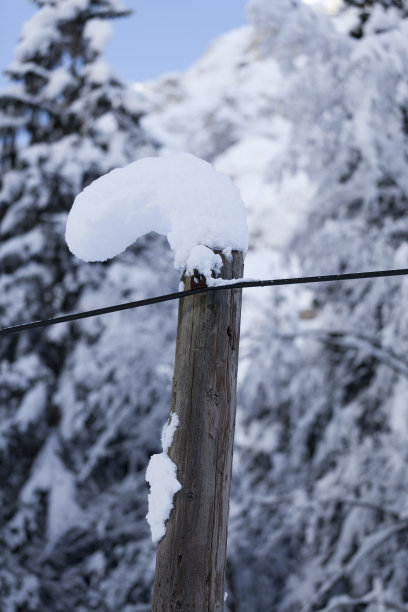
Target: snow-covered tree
(332, 383)
(66, 120)
(314, 125)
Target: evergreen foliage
(66, 120)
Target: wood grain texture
(190, 562)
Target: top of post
(181, 196)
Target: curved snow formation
(161, 474)
(180, 196)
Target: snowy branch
(276, 500)
(98, 450)
(369, 545)
(343, 601)
(347, 501)
(354, 340)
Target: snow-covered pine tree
(66, 120)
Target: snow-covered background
(307, 112)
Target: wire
(182, 294)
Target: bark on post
(190, 562)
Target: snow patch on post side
(180, 196)
(161, 474)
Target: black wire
(181, 294)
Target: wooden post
(191, 557)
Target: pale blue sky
(160, 36)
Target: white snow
(50, 474)
(43, 29)
(59, 80)
(107, 124)
(161, 474)
(69, 9)
(168, 432)
(98, 32)
(178, 195)
(98, 72)
(32, 406)
(37, 34)
(96, 563)
(203, 259)
(26, 245)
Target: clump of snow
(98, 32)
(59, 80)
(32, 406)
(161, 474)
(98, 72)
(179, 195)
(37, 34)
(107, 124)
(168, 432)
(96, 563)
(70, 9)
(50, 474)
(203, 259)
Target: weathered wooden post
(199, 210)
(190, 562)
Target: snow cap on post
(180, 196)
